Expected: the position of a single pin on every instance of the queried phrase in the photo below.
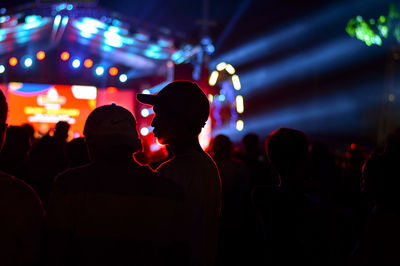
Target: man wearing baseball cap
(181, 110)
(114, 211)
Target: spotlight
(145, 112)
(144, 131)
(2, 69)
(113, 71)
(76, 63)
(64, 56)
(88, 63)
(13, 61)
(123, 78)
(99, 71)
(40, 55)
(28, 62)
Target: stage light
(239, 104)
(28, 62)
(123, 78)
(236, 82)
(221, 66)
(76, 63)
(40, 55)
(113, 71)
(64, 56)
(145, 112)
(13, 61)
(213, 78)
(146, 91)
(144, 131)
(2, 69)
(88, 63)
(210, 98)
(230, 69)
(99, 71)
(239, 125)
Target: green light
(382, 19)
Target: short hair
(286, 149)
(3, 108)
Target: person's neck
(184, 144)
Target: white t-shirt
(197, 173)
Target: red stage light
(113, 71)
(40, 55)
(88, 63)
(13, 61)
(64, 56)
(111, 90)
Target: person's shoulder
(19, 190)
(73, 177)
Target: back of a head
(251, 143)
(17, 141)
(62, 128)
(222, 147)
(111, 128)
(287, 150)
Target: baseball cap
(184, 98)
(111, 125)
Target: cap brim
(147, 98)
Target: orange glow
(113, 71)
(64, 56)
(88, 63)
(111, 90)
(40, 55)
(13, 61)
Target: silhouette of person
(21, 213)
(181, 110)
(236, 183)
(77, 153)
(289, 214)
(114, 211)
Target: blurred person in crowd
(290, 216)
(235, 180)
(21, 213)
(181, 110)
(77, 153)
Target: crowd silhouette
(275, 198)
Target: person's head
(3, 117)
(77, 153)
(61, 130)
(287, 150)
(181, 109)
(222, 147)
(17, 143)
(110, 131)
(251, 143)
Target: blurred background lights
(40, 55)
(146, 91)
(64, 56)
(239, 104)
(236, 82)
(99, 71)
(144, 131)
(2, 69)
(145, 112)
(113, 71)
(28, 62)
(123, 78)
(239, 125)
(229, 68)
(76, 63)
(213, 78)
(13, 61)
(88, 63)
(221, 66)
